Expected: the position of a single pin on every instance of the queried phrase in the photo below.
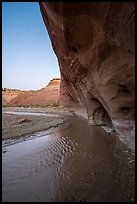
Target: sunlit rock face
(94, 43)
(45, 96)
(8, 95)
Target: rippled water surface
(76, 163)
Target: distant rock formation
(8, 95)
(47, 95)
(95, 46)
(4, 102)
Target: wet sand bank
(75, 162)
(18, 122)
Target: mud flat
(72, 162)
(18, 122)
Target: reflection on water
(78, 163)
(30, 113)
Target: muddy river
(75, 162)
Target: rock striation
(44, 96)
(95, 47)
(8, 95)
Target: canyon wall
(94, 44)
(45, 96)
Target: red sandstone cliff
(94, 43)
(8, 95)
(47, 95)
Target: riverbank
(15, 126)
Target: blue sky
(28, 60)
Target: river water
(31, 113)
(73, 163)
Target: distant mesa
(47, 95)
